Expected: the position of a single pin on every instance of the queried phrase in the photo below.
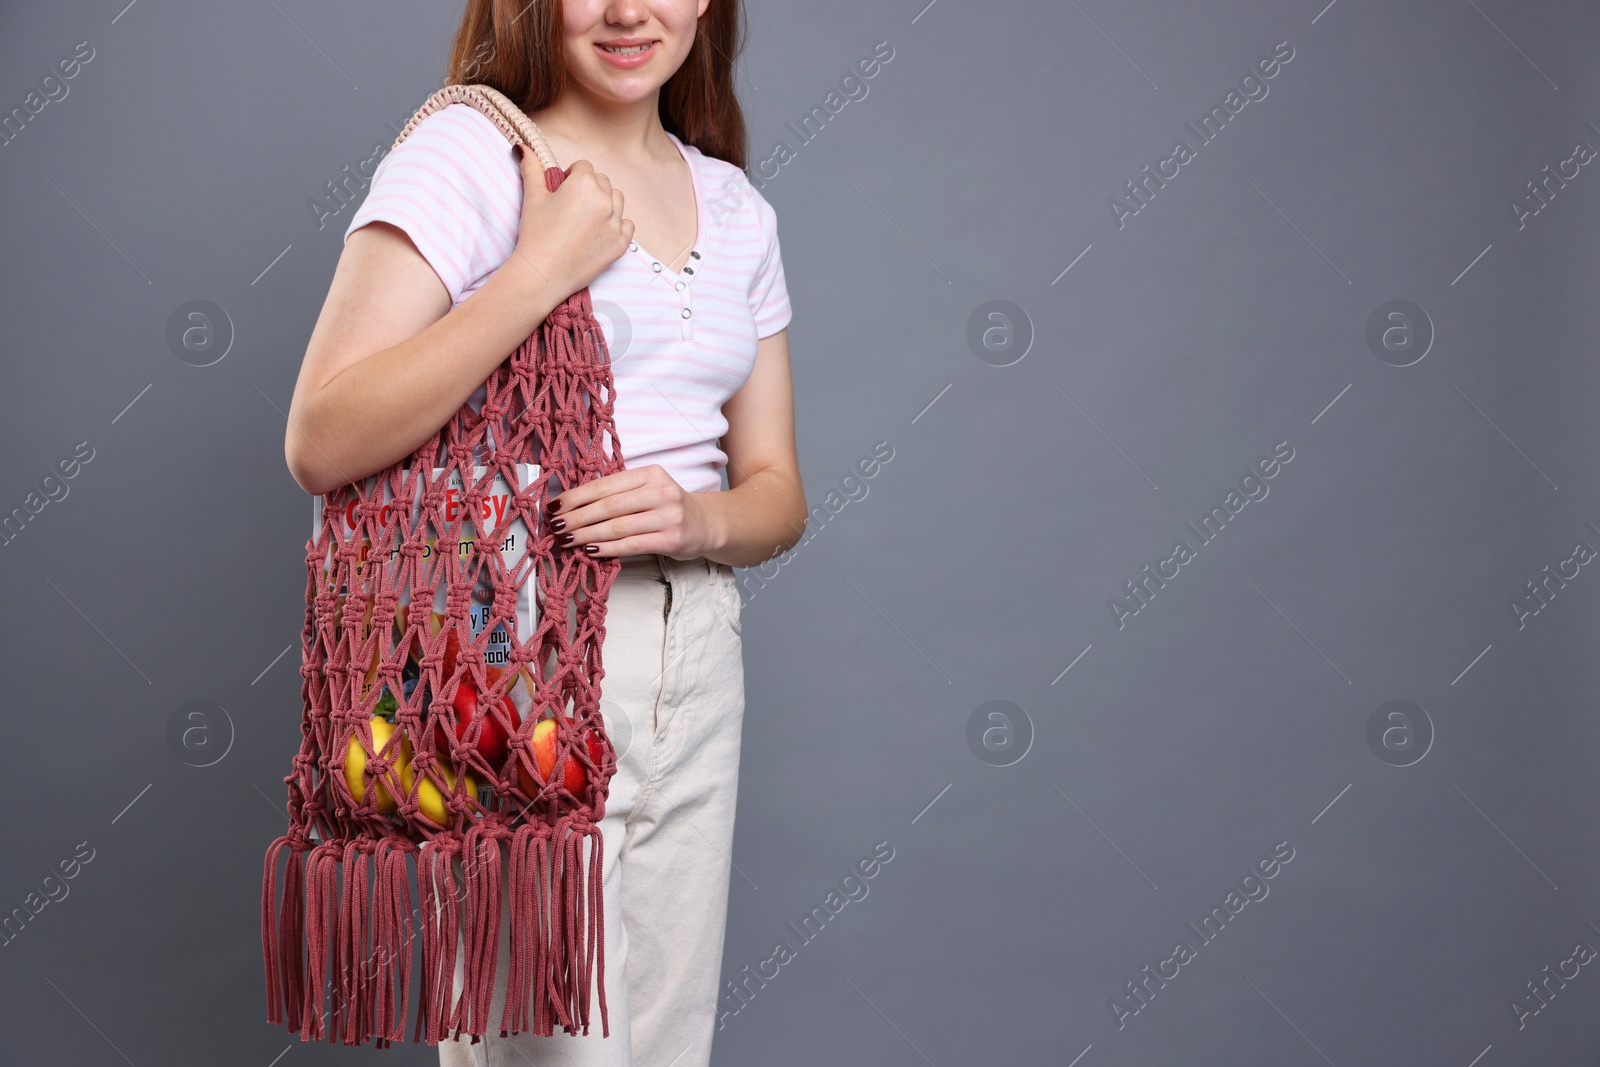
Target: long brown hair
(516, 46)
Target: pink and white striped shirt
(681, 344)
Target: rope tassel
(413, 752)
(391, 944)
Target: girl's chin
(619, 87)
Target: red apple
(492, 737)
(574, 775)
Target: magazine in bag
(497, 522)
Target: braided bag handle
(507, 116)
(369, 788)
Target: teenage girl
(456, 255)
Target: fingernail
(516, 150)
(555, 504)
(592, 549)
(565, 540)
(558, 525)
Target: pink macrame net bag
(467, 737)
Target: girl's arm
(386, 366)
(389, 362)
(763, 513)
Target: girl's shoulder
(455, 189)
(456, 158)
(460, 134)
(731, 200)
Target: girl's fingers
(629, 502)
(606, 485)
(627, 546)
(611, 529)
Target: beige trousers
(673, 704)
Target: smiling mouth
(627, 50)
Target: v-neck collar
(691, 265)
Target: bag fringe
(291, 935)
(277, 976)
(391, 944)
(351, 1003)
(320, 914)
(481, 857)
(342, 925)
(441, 923)
(523, 949)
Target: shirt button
(687, 313)
(656, 267)
(634, 247)
(696, 255)
(681, 285)
(688, 270)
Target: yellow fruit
(429, 800)
(355, 764)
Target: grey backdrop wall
(1317, 787)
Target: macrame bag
(443, 735)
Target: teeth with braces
(629, 50)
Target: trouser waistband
(659, 563)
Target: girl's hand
(573, 234)
(630, 512)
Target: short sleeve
(769, 293)
(455, 189)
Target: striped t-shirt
(681, 344)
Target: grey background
(1228, 716)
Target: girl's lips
(629, 61)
